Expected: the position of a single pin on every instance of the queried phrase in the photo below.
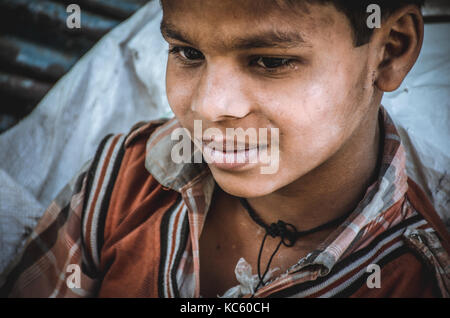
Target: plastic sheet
(247, 280)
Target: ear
(400, 39)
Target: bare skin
(321, 91)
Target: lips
(229, 155)
(229, 146)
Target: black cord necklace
(287, 232)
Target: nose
(221, 93)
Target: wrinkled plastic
(247, 280)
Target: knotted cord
(287, 232)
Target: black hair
(356, 12)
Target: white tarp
(421, 110)
(121, 81)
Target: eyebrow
(269, 39)
(264, 39)
(169, 31)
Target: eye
(272, 62)
(187, 53)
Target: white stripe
(195, 252)
(392, 136)
(167, 265)
(94, 186)
(347, 283)
(185, 277)
(354, 264)
(178, 239)
(355, 228)
(96, 213)
(194, 210)
(80, 292)
(62, 276)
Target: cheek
(309, 105)
(315, 112)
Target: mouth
(230, 154)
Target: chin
(245, 185)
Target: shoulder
(107, 200)
(420, 202)
(430, 244)
(118, 185)
(403, 275)
(411, 262)
(413, 258)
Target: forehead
(224, 20)
(247, 8)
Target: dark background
(37, 48)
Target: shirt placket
(197, 197)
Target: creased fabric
(133, 224)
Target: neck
(332, 189)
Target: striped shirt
(129, 225)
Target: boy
(336, 207)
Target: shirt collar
(159, 163)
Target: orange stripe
(97, 192)
(137, 130)
(174, 234)
(264, 293)
(346, 277)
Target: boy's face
(251, 64)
